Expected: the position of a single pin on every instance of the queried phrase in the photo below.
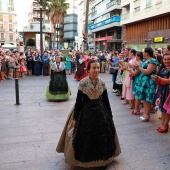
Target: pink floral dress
(166, 105)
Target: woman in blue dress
(37, 64)
(145, 87)
(68, 64)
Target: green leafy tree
(56, 11)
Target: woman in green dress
(58, 88)
(145, 86)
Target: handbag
(112, 71)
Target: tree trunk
(54, 35)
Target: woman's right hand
(74, 123)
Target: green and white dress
(58, 88)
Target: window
(1, 27)
(1, 17)
(10, 36)
(137, 6)
(10, 27)
(148, 3)
(11, 6)
(10, 18)
(2, 36)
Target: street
(29, 132)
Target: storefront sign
(158, 39)
(103, 38)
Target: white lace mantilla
(81, 60)
(58, 67)
(88, 88)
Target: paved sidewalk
(29, 132)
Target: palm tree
(57, 10)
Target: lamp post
(58, 28)
(41, 2)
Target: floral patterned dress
(145, 86)
(167, 104)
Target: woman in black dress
(94, 141)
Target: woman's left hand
(136, 66)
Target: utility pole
(86, 25)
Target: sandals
(144, 118)
(134, 112)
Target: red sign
(103, 38)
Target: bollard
(17, 91)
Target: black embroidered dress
(94, 141)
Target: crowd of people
(144, 78)
(139, 77)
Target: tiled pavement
(29, 132)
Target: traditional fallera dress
(58, 88)
(81, 70)
(94, 141)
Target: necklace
(94, 83)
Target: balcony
(115, 2)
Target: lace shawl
(90, 90)
(57, 68)
(81, 60)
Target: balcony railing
(115, 2)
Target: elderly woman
(145, 87)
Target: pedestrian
(163, 81)
(145, 87)
(45, 62)
(58, 88)
(81, 69)
(94, 141)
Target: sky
(22, 8)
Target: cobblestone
(29, 132)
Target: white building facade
(146, 22)
(104, 25)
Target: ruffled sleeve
(154, 61)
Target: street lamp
(58, 28)
(41, 2)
